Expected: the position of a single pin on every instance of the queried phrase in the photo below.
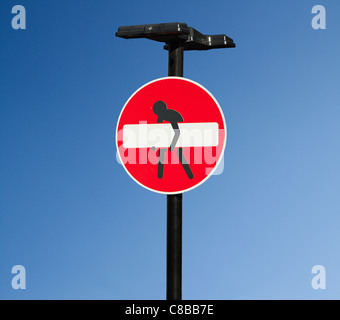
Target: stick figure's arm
(176, 136)
(159, 120)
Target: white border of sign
(223, 148)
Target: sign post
(174, 202)
(177, 38)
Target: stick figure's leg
(184, 163)
(161, 163)
(175, 139)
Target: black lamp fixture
(190, 38)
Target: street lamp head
(189, 37)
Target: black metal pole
(174, 203)
(176, 36)
(176, 51)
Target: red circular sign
(171, 135)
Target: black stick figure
(172, 116)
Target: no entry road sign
(171, 135)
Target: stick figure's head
(159, 107)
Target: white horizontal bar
(160, 135)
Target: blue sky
(83, 229)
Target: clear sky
(83, 229)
